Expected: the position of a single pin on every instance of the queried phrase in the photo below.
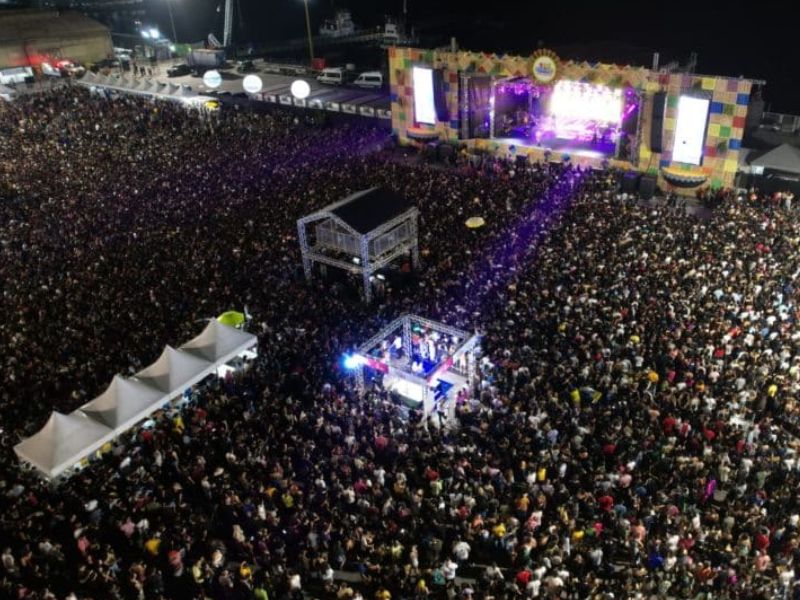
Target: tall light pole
(308, 30)
(172, 22)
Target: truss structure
(327, 239)
(467, 349)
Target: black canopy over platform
(368, 209)
(360, 234)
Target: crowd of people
(631, 433)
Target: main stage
(682, 128)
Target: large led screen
(690, 131)
(424, 107)
(587, 102)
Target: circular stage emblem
(545, 66)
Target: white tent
(184, 93)
(6, 93)
(784, 158)
(170, 88)
(142, 85)
(174, 371)
(156, 87)
(124, 403)
(89, 77)
(219, 343)
(63, 442)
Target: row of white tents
(67, 439)
(131, 85)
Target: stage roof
(368, 209)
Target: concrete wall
(28, 37)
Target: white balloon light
(300, 89)
(212, 79)
(252, 84)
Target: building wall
(34, 35)
(82, 49)
(729, 101)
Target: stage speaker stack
(630, 182)
(657, 121)
(440, 97)
(647, 187)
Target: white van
(370, 79)
(332, 76)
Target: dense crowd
(630, 435)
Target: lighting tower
(227, 38)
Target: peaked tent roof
(63, 442)
(368, 209)
(174, 371)
(783, 158)
(219, 343)
(124, 403)
(184, 93)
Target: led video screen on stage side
(424, 106)
(690, 131)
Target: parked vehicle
(179, 70)
(16, 75)
(370, 79)
(49, 70)
(293, 70)
(334, 76)
(71, 69)
(245, 66)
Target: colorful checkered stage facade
(728, 97)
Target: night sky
(761, 42)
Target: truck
(202, 59)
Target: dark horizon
(728, 42)
(732, 42)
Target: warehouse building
(29, 37)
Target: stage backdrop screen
(424, 105)
(572, 100)
(690, 131)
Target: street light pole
(308, 30)
(172, 22)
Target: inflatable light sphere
(212, 79)
(252, 84)
(300, 89)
